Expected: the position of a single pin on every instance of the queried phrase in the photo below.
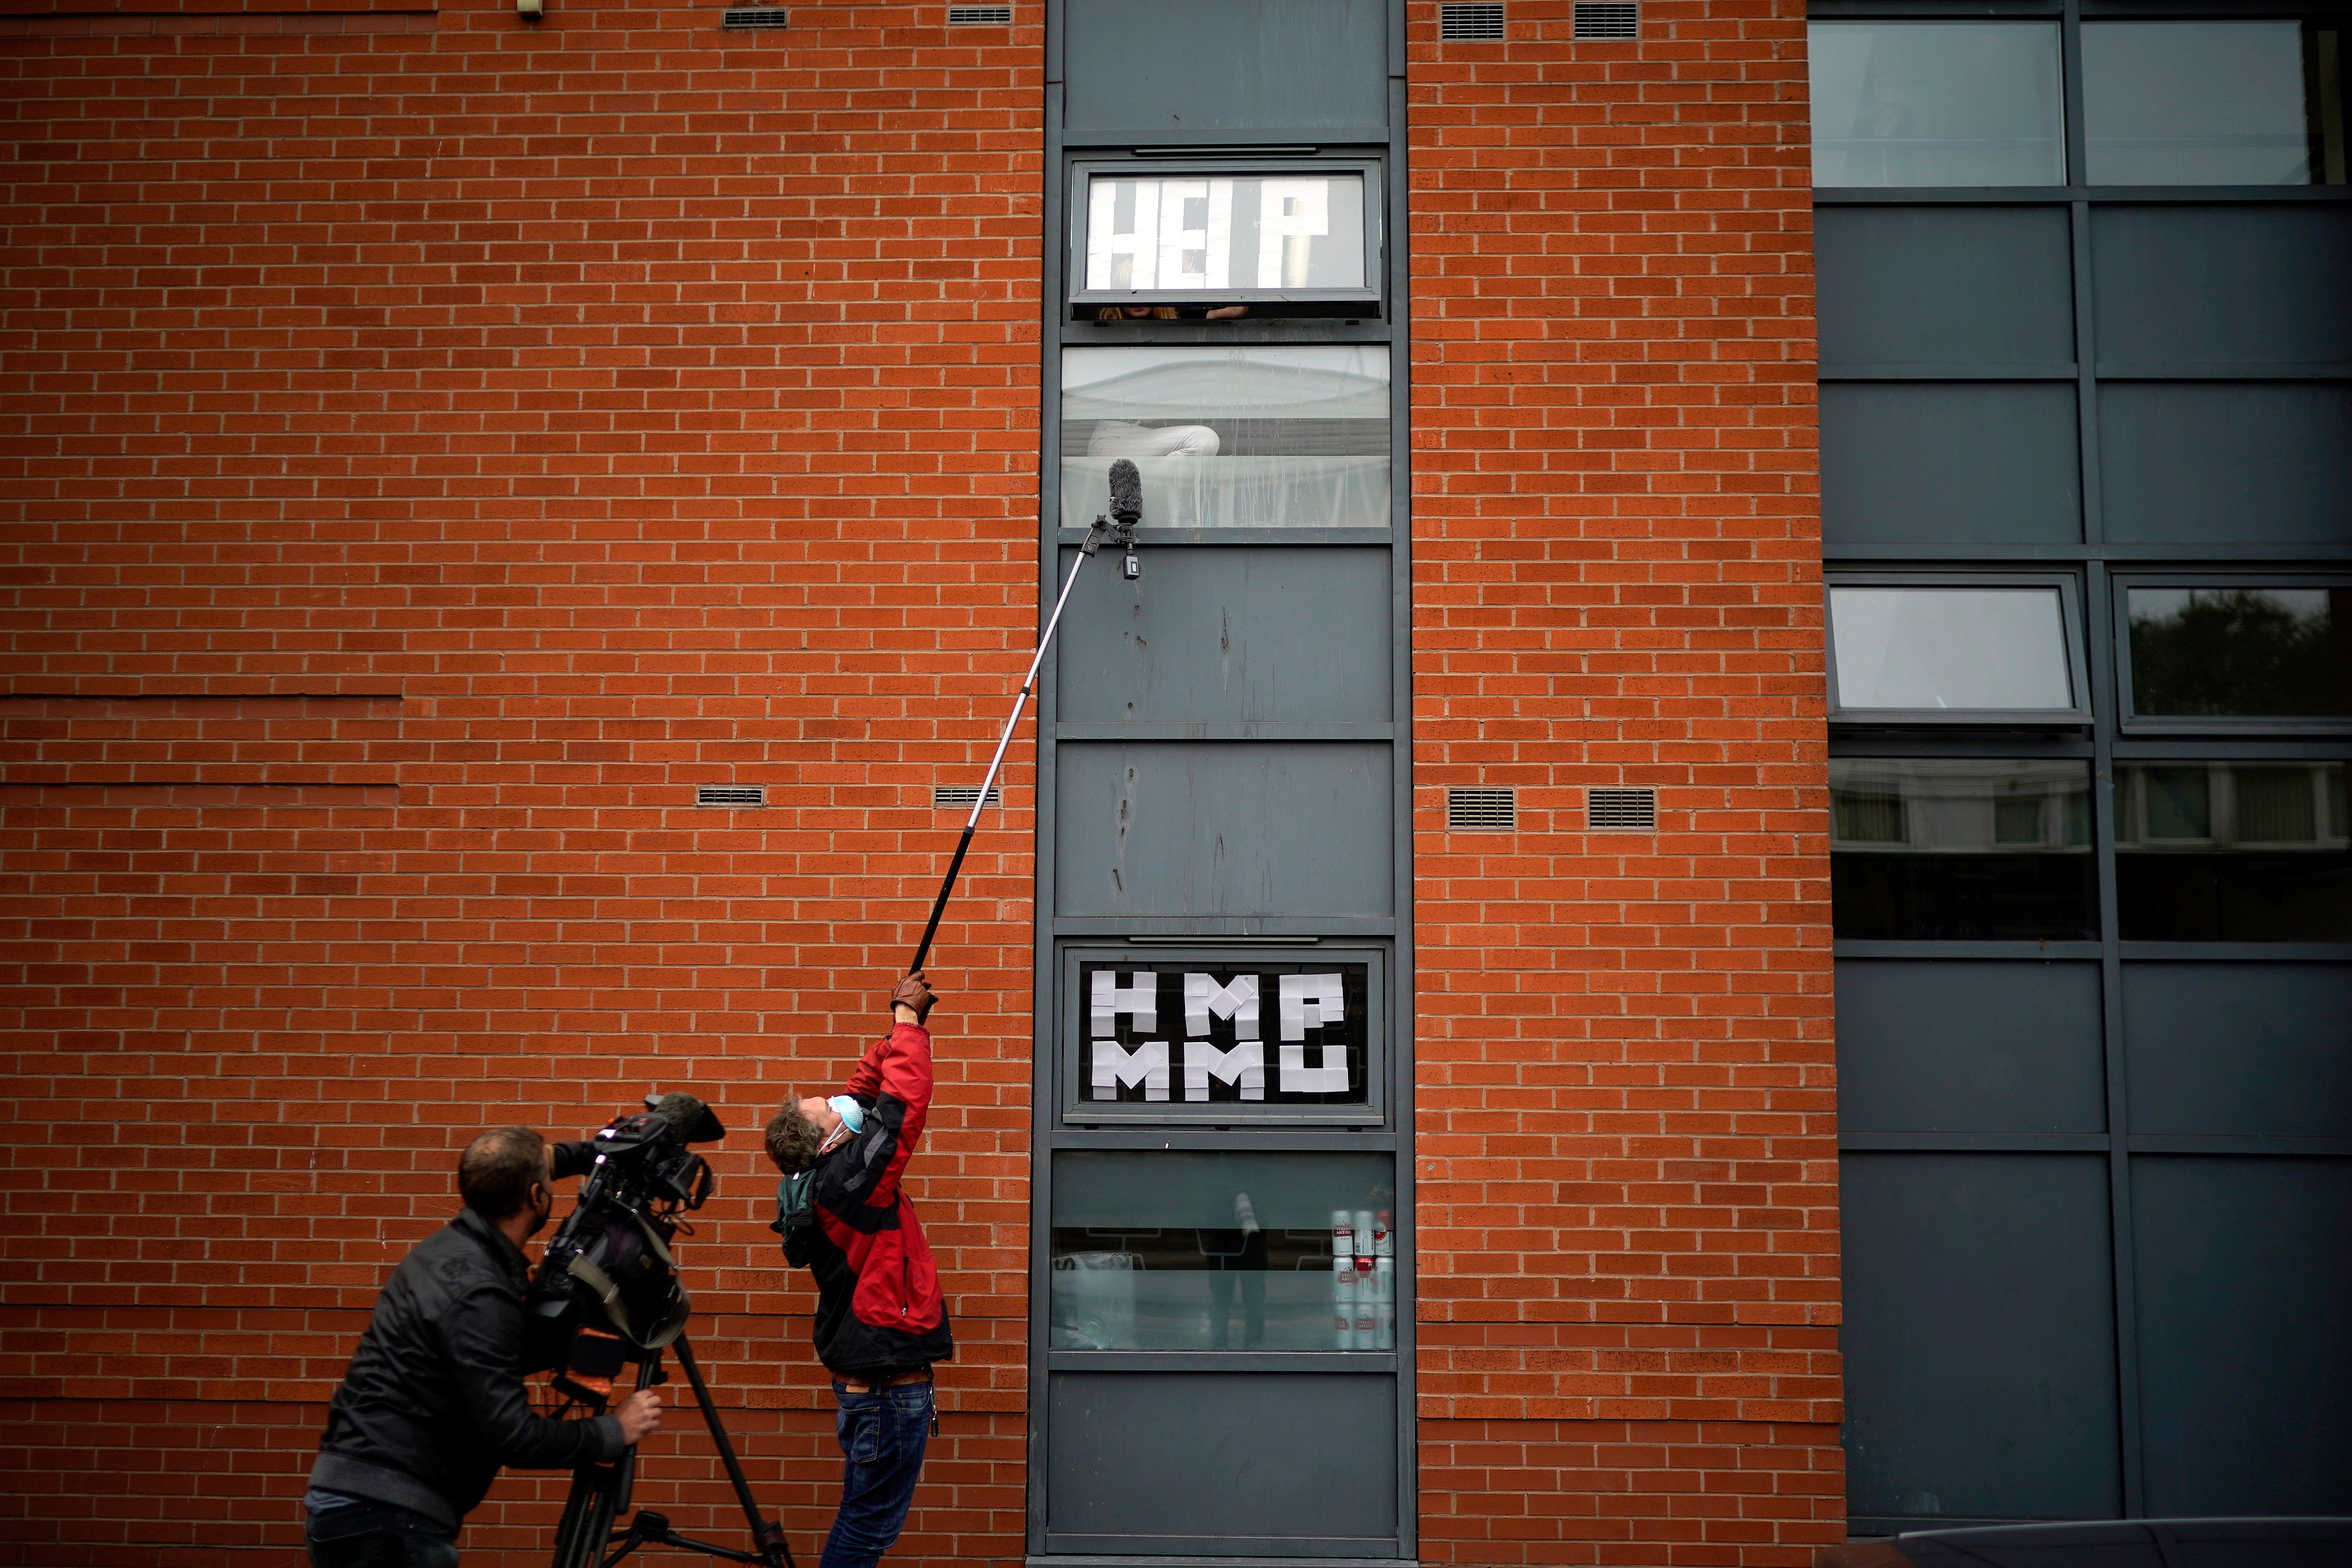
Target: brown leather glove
(913, 992)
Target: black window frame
(2135, 724)
(1075, 1111)
(2078, 671)
(1370, 301)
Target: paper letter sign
(1146, 1065)
(1138, 1000)
(1238, 1001)
(1243, 1067)
(1257, 1034)
(1312, 1001)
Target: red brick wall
(1627, 1201)
(427, 452)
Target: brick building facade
(435, 444)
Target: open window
(1172, 241)
(1947, 648)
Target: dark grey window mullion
(2086, 385)
(2070, 80)
(2099, 607)
(1044, 956)
(1403, 1230)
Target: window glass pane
(1216, 235)
(2259, 653)
(1223, 1251)
(2232, 852)
(1936, 103)
(2198, 103)
(1261, 1034)
(1257, 437)
(1960, 849)
(1959, 648)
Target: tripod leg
(598, 1493)
(768, 1537)
(581, 1539)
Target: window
(1977, 650)
(2212, 103)
(1191, 1250)
(2239, 851)
(2221, 655)
(1936, 103)
(1223, 1037)
(1154, 243)
(1962, 849)
(1255, 437)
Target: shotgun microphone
(1126, 493)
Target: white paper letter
(1146, 1065)
(1141, 1000)
(1243, 1067)
(1292, 214)
(1140, 245)
(1176, 241)
(1238, 1001)
(1312, 1001)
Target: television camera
(608, 1294)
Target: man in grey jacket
(434, 1402)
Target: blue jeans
(883, 1434)
(378, 1535)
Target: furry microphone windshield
(1125, 492)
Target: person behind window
(1169, 314)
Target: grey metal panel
(1135, 67)
(1935, 285)
(1175, 829)
(2245, 1333)
(1961, 462)
(2257, 281)
(2190, 461)
(2253, 1049)
(1208, 1454)
(1979, 1336)
(1263, 634)
(1931, 1047)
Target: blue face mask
(852, 1114)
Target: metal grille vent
(731, 794)
(980, 16)
(1471, 23)
(1608, 19)
(1621, 810)
(1481, 810)
(754, 18)
(960, 797)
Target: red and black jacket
(879, 1309)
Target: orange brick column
(1628, 1243)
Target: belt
(896, 1380)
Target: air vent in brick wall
(960, 797)
(1608, 19)
(754, 18)
(731, 794)
(1470, 23)
(980, 16)
(1481, 810)
(1621, 811)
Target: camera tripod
(600, 1491)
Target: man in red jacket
(881, 1322)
